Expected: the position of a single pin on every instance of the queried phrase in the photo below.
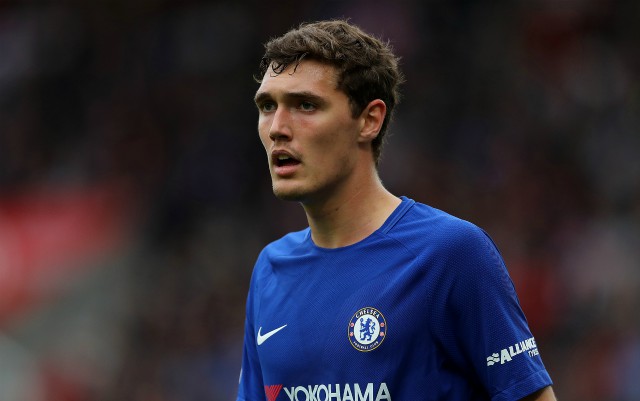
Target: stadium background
(134, 193)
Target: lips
(284, 163)
(283, 158)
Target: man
(381, 298)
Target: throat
(347, 224)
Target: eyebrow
(303, 95)
(261, 97)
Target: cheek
(337, 139)
(263, 133)
(335, 151)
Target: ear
(372, 118)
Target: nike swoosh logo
(263, 337)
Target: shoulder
(462, 255)
(282, 250)
(424, 227)
(291, 243)
(452, 251)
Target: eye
(267, 107)
(307, 106)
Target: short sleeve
(488, 326)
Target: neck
(351, 216)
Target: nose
(280, 125)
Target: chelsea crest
(367, 329)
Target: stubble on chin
(287, 194)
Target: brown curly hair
(367, 67)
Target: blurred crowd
(520, 117)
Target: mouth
(282, 160)
(284, 163)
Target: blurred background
(135, 197)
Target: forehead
(308, 75)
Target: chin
(289, 193)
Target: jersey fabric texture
(422, 309)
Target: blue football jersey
(422, 309)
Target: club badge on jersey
(367, 329)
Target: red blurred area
(49, 234)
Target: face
(307, 129)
